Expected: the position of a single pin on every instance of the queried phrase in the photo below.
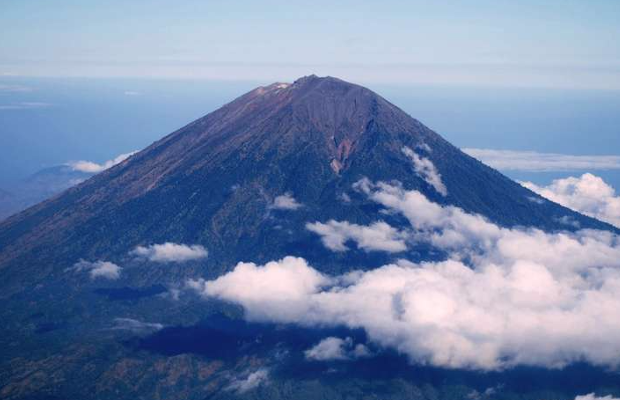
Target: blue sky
(557, 43)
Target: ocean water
(47, 122)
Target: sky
(552, 43)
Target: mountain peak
(314, 79)
(327, 112)
(307, 84)
(326, 85)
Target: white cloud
(93, 168)
(282, 286)
(285, 202)
(335, 348)
(486, 394)
(509, 160)
(377, 236)
(99, 269)
(592, 396)
(133, 325)
(132, 93)
(504, 297)
(588, 194)
(251, 381)
(426, 170)
(170, 252)
(331, 348)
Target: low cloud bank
(504, 297)
(93, 168)
(587, 194)
(170, 252)
(509, 160)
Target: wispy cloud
(93, 168)
(509, 160)
(587, 194)
(170, 252)
(132, 93)
(334, 348)
(426, 170)
(249, 380)
(377, 236)
(488, 393)
(136, 326)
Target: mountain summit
(215, 182)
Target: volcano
(241, 182)
(212, 182)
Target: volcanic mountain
(212, 182)
(242, 182)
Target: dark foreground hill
(242, 182)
